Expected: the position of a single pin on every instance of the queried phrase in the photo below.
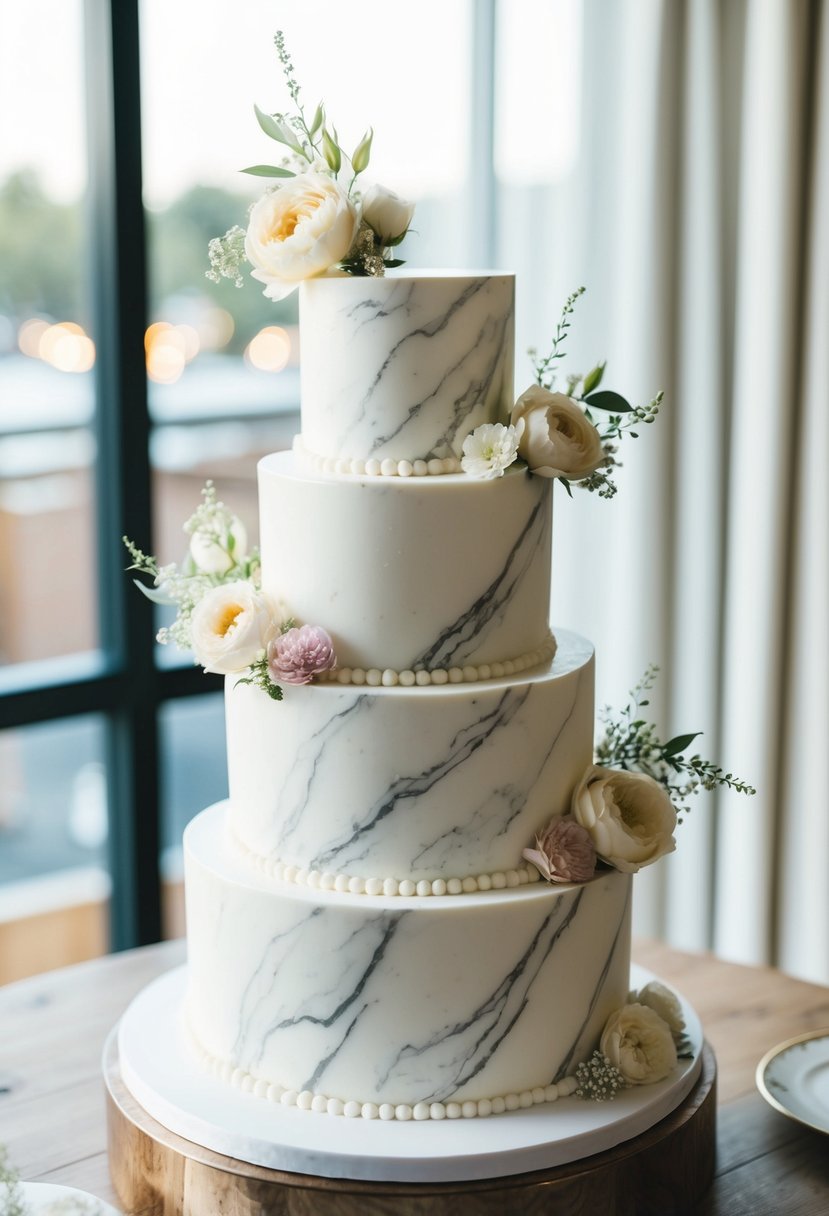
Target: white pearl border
(407, 888)
(373, 467)
(374, 677)
(321, 1104)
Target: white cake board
(161, 1072)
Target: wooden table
(52, 1029)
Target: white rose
(230, 626)
(664, 1002)
(298, 231)
(639, 1044)
(558, 440)
(387, 214)
(214, 554)
(629, 816)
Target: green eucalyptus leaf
(392, 262)
(278, 131)
(607, 400)
(563, 481)
(593, 378)
(679, 744)
(268, 171)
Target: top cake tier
(403, 367)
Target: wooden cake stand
(663, 1171)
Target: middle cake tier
(413, 784)
(430, 573)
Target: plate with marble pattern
(794, 1078)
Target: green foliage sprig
(11, 1197)
(622, 417)
(631, 743)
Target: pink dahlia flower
(563, 852)
(300, 654)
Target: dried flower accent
(300, 654)
(563, 852)
(598, 1080)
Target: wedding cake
(362, 926)
(415, 902)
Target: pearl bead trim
(354, 884)
(373, 467)
(321, 1104)
(374, 677)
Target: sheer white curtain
(697, 214)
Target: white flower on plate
(215, 550)
(299, 230)
(629, 816)
(557, 440)
(388, 215)
(664, 1002)
(639, 1044)
(489, 449)
(230, 627)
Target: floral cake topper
(314, 218)
(223, 615)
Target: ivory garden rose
(230, 627)
(298, 231)
(557, 440)
(629, 816)
(388, 215)
(662, 1001)
(639, 1044)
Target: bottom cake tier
(403, 1003)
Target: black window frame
(121, 681)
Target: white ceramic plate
(42, 1198)
(794, 1078)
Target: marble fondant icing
(407, 573)
(404, 367)
(409, 783)
(403, 1000)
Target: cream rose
(216, 554)
(639, 1044)
(662, 1001)
(230, 626)
(386, 213)
(558, 440)
(629, 816)
(298, 231)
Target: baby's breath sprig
(226, 254)
(631, 743)
(598, 1079)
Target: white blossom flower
(298, 231)
(230, 627)
(639, 1044)
(557, 440)
(629, 815)
(489, 449)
